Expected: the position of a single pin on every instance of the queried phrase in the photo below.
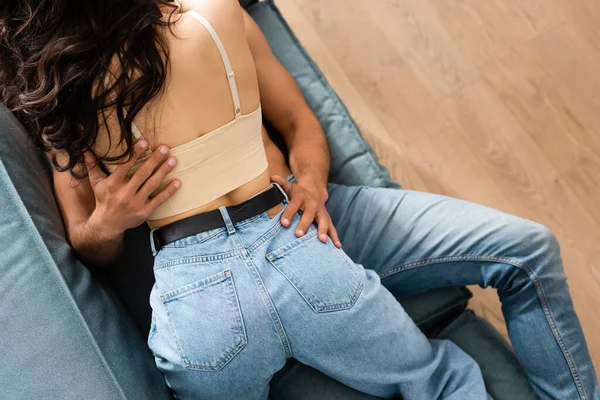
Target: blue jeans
(232, 304)
(420, 241)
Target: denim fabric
(230, 305)
(416, 242)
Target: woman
(154, 108)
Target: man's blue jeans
(420, 241)
(230, 305)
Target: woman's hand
(312, 205)
(123, 203)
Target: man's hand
(123, 203)
(285, 107)
(311, 202)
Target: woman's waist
(209, 182)
(231, 198)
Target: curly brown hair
(55, 56)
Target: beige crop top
(217, 162)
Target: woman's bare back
(196, 98)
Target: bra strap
(138, 134)
(230, 74)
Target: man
(414, 241)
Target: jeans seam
(182, 262)
(230, 354)
(292, 246)
(314, 302)
(249, 220)
(264, 238)
(184, 245)
(272, 310)
(536, 284)
(194, 287)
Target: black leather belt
(213, 219)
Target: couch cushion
(63, 335)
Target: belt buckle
(278, 186)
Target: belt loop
(153, 244)
(227, 220)
(291, 178)
(287, 199)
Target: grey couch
(67, 334)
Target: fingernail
(164, 149)
(177, 185)
(172, 162)
(285, 221)
(323, 237)
(300, 232)
(339, 244)
(144, 144)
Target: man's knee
(543, 240)
(539, 249)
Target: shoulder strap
(230, 74)
(138, 134)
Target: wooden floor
(495, 101)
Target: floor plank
(550, 118)
(414, 29)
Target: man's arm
(285, 107)
(98, 209)
(84, 230)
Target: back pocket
(206, 321)
(321, 273)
